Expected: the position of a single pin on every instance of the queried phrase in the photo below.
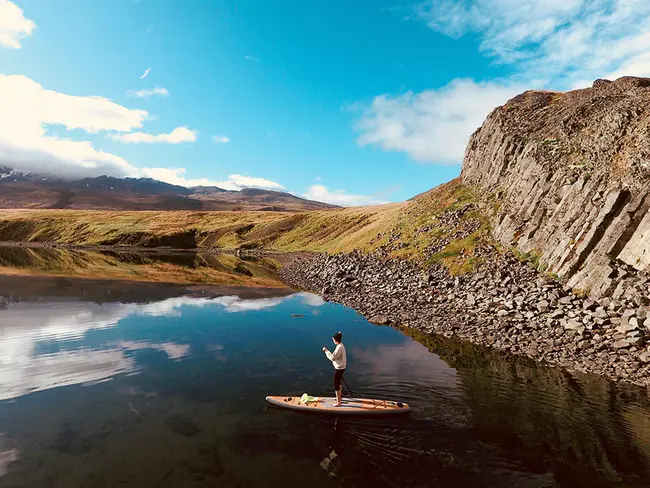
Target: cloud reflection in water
(24, 326)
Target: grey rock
(622, 344)
(635, 323)
(573, 324)
(629, 313)
(601, 313)
(589, 305)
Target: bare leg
(339, 398)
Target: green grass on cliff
(403, 229)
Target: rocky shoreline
(505, 304)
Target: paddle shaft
(348, 387)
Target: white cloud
(321, 193)
(560, 41)
(28, 110)
(434, 125)
(176, 176)
(13, 25)
(220, 139)
(177, 136)
(251, 58)
(159, 90)
(239, 182)
(638, 65)
(145, 74)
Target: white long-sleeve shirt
(338, 357)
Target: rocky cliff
(570, 172)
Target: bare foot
(338, 404)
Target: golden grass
(327, 230)
(404, 229)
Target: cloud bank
(14, 26)
(176, 176)
(31, 139)
(28, 110)
(432, 126)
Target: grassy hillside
(433, 226)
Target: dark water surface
(165, 387)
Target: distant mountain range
(31, 190)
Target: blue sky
(347, 102)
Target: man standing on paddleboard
(339, 360)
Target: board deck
(351, 406)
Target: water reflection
(42, 347)
(165, 387)
(590, 429)
(153, 266)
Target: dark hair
(338, 336)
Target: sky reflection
(41, 344)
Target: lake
(108, 383)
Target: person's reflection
(335, 450)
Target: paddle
(348, 387)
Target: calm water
(161, 386)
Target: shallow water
(163, 386)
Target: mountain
(32, 190)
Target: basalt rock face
(571, 172)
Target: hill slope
(442, 224)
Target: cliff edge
(570, 174)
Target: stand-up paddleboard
(351, 406)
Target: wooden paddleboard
(351, 406)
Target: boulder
(379, 320)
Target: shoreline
(505, 305)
